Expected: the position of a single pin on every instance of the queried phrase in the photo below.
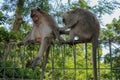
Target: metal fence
(65, 62)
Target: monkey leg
(44, 63)
(44, 45)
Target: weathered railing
(64, 63)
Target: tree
(113, 33)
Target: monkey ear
(38, 9)
(32, 9)
(42, 12)
(76, 10)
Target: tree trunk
(18, 15)
(16, 25)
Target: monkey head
(67, 17)
(36, 15)
(71, 18)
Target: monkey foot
(20, 44)
(31, 42)
(32, 64)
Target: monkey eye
(68, 12)
(63, 20)
(32, 15)
(31, 10)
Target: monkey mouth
(35, 19)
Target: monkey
(45, 30)
(84, 25)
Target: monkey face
(35, 15)
(66, 18)
(64, 21)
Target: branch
(74, 42)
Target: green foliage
(2, 18)
(112, 32)
(6, 36)
(105, 6)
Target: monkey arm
(61, 31)
(71, 24)
(26, 40)
(45, 43)
(56, 32)
(30, 38)
(54, 26)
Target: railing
(65, 62)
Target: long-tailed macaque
(45, 29)
(85, 26)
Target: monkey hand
(31, 41)
(61, 40)
(30, 64)
(20, 44)
(62, 29)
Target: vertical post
(74, 52)
(4, 67)
(63, 60)
(22, 61)
(14, 63)
(52, 55)
(110, 59)
(86, 56)
(98, 64)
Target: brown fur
(85, 26)
(45, 30)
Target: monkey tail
(94, 53)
